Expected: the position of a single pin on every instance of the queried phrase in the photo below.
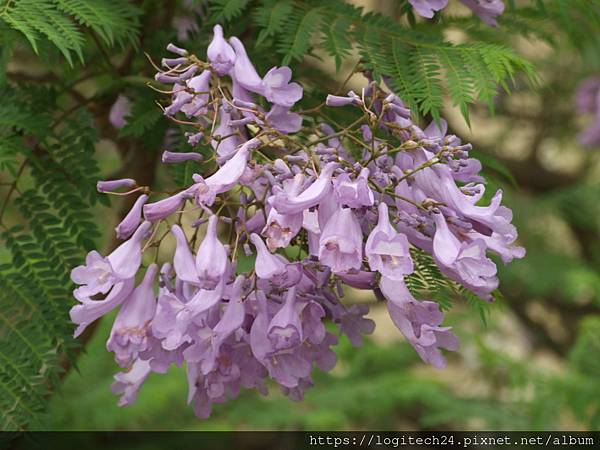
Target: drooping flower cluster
(487, 10)
(588, 103)
(316, 208)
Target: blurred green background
(529, 362)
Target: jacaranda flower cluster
(315, 208)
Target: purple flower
(285, 203)
(280, 229)
(354, 325)
(89, 310)
(229, 140)
(174, 320)
(119, 111)
(208, 344)
(287, 367)
(111, 185)
(282, 119)
(387, 250)
(285, 329)
(244, 72)
(183, 259)
(132, 220)
(588, 101)
(129, 334)
(340, 245)
(211, 258)
(176, 157)
(427, 8)
(180, 99)
(419, 322)
(354, 194)
(278, 89)
(226, 177)
(99, 274)
(336, 100)
(462, 260)
(194, 138)
(196, 104)
(177, 50)
(487, 10)
(587, 97)
(274, 267)
(220, 54)
(359, 280)
(185, 26)
(163, 208)
(438, 183)
(129, 383)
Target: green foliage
(421, 66)
(227, 9)
(271, 17)
(59, 21)
(55, 228)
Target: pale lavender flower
(278, 89)
(195, 104)
(337, 100)
(419, 322)
(226, 177)
(127, 384)
(194, 138)
(207, 346)
(282, 119)
(244, 72)
(354, 193)
(285, 328)
(180, 99)
(360, 279)
(119, 111)
(387, 250)
(177, 50)
(427, 8)
(183, 259)
(129, 334)
(487, 10)
(274, 267)
(111, 185)
(220, 54)
(99, 274)
(340, 245)
(287, 367)
(229, 140)
(176, 157)
(163, 208)
(211, 258)
(587, 97)
(588, 102)
(89, 310)
(280, 229)
(354, 325)
(132, 220)
(463, 260)
(285, 203)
